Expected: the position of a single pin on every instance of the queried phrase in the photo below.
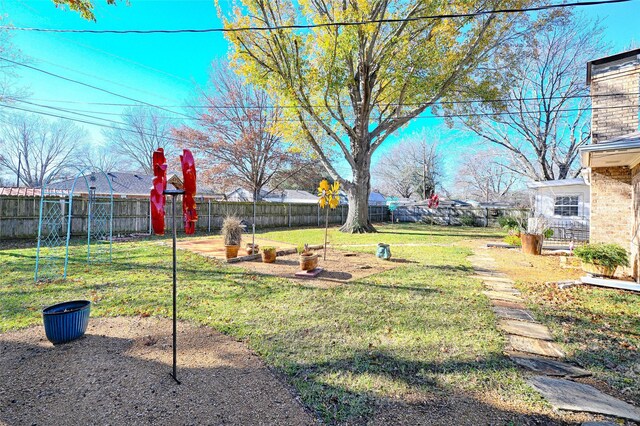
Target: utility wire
(466, 101)
(91, 86)
(324, 24)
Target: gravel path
(119, 374)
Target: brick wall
(611, 207)
(615, 115)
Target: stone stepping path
(526, 329)
(547, 366)
(535, 346)
(511, 313)
(531, 346)
(568, 395)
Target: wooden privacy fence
(19, 215)
(468, 216)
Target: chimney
(615, 95)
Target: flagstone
(526, 329)
(535, 346)
(493, 279)
(547, 366)
(511, 313)
(497, 286)
(503, 295)
(567, 395)
(507, 304)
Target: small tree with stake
(328, 197)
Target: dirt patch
(339, 268)
(214, 246)
(119, 374)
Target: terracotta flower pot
(532, 243)
(308, 262)
(595, 269)
(268, 256)
(231, 251)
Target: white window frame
(578, 205)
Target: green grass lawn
(421, 330)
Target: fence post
(341, 214)
(289, 215)
(209, 216)
(486, 217)
(318, 215)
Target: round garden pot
(252, 249)
(383, 252)
(231, 251)
(532, 243)
(595, 269)
(66, 321)
(268, 256)
(308, 262)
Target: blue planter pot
(383, 252)
(66, 321)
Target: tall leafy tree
(541, 117)
(352, 86)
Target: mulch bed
(339, 268)
(119, 374)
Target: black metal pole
(173, 194)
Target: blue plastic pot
(383, 252)
(66, 321)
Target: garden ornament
(434, 201)
(384, 252)
(158, 199)
(188, 202)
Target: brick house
(613, 157)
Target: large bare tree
(542, 117)
(352, 86)
(38, 150)
(237, 135)
(486, 176)
(144, 129)
(411, 167)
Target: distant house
(124, 185)
(287, 196)
(565, 204)
(375, 198)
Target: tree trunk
(358, 195)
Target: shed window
(566, 206)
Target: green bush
(509, 223)
(548, 233)
(513, 240)
(467, 220)
(268, 248)
(607, 255)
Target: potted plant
(533, 237)
(308, 260)
(66, 321)
(268, 254)
(602, 259)
(252, 248)
(232, 235)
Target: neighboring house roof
(617, 60)
(19, 192)
(294, 196)
(376, 198)
(556, 183)
(122, 183)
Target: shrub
(468, 220)
(548, 233)
(268, 248)
(607, 255)
(509, 223)
(513, 240)
(231, 231)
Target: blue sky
(163, 69)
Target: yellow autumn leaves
(328, 194)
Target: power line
(321, 25)
(503, 113)
(466, 101)
(91, 86)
